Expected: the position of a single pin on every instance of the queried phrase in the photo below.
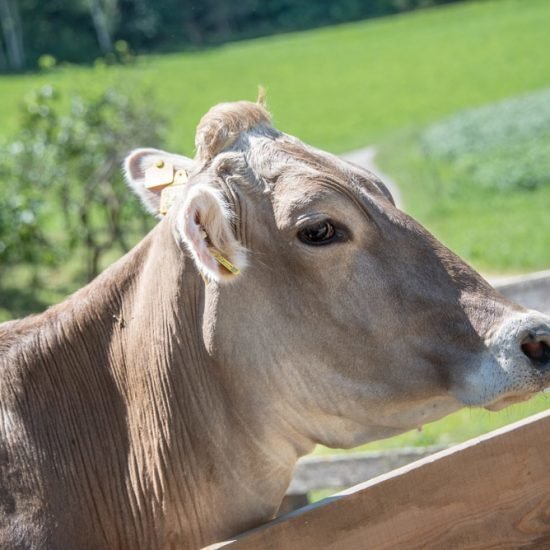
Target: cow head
(324, 304)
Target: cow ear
(148, 171)
(206, 228)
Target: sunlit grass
(346, 86)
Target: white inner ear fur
(205, 210)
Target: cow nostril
(536, 347)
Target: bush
(61, 187)
(501, 146)
(46, 62)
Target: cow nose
(535, 344)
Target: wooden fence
(491, 492)
(338, 472)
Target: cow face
(326, 304)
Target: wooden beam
(491, 492)
(338, 472)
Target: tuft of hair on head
(261, 96)
(222, 125)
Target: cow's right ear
(206, 227)
(148, 171)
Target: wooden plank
(339, 472)
(292, 502)
(491, 492)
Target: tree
(82, 30)
(103, 19)
(13, 35)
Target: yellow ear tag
(169, 196)
(218, 256)
(180, 177)
(159, 174)
(222, 260)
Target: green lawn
(347, 86)
(353, 85)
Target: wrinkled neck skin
(156, 443)
(211, 459)
(220, 458)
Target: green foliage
(123, 53)
(21, 237)
(504, 146)
(60, 28)
(46, 62)
(65, 29)
(62, 191)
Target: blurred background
(455, 96)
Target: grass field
(347, 86)
(385, 81)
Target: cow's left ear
(205, 226)
(149, 171)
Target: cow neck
(173, 399)
(181, 447)
(117, 370)
(213, 456)
(229, 464)
(254, 448)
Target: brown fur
(223, 124)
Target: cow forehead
(244, 129)
(297, 176)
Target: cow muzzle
(514, 367)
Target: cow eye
(319, 233)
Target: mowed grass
(346, 87)
(341, 87)
(480, 180)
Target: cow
(281, 301)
